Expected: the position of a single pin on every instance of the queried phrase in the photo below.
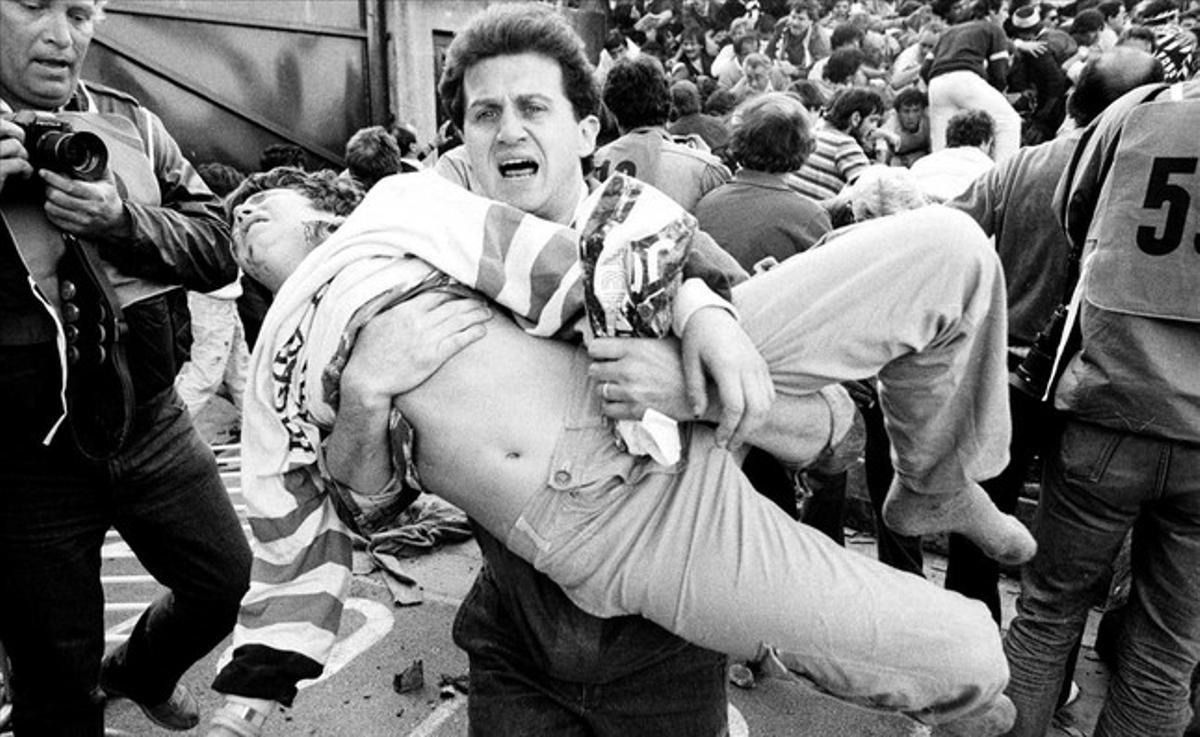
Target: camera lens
(85, 155)
(80, 155)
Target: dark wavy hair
(909, 96)
(845, 34)
(372, 154)
(325, 189)
(854, 100)
(772, 133)
(720, 102)
(809, 6)
(636, 92)
(220, 178)
(843, 64)
(522, 28)
(970, 128)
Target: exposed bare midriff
(488, 420)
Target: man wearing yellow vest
(103, 222)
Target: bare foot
(997, 720)
(969, 512)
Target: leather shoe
(179, 712)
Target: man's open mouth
(518, 169)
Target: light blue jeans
(1101, 483)
(694, 549)
(916, 299)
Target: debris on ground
(741, 676)
(449, 686)
(412, 679)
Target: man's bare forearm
(395, 352)
(358, 450)
(796, 431)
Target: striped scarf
(409, 228)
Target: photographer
(98, 236)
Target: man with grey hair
(92, 258)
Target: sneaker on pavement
(179, 712)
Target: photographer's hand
(14, 161)
(87, 209)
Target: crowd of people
(663, 303)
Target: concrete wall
(412, 25)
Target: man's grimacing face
(522, 137)
(42, 46)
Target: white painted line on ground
(124, 626)
(132, 579)
(115, 551)
(126, 606)
(119, 632)
(737, 723)
(379, 622)
(429, 726)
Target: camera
(1034, 372)
(56, 146)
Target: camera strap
(99, 388)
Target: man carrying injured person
(513, 427)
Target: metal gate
(230, 77)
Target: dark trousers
(682, 695)
(898, 551)
(165, 497)
(968, 570)
(824, 508)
